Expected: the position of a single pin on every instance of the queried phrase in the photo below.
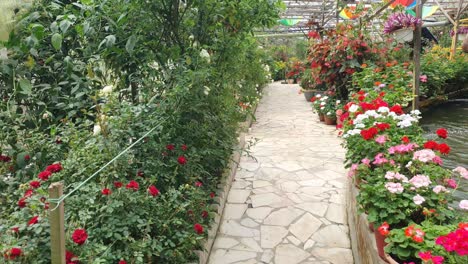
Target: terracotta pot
(390, 260)
(330, 121)
(371, 227)
(380, 242)
(321, 117)
(308, 94)
(290, 81)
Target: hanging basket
(403, 35)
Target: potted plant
(329, 111)
(318, 103)
(462, 32)
(401, 25)
(308, 86)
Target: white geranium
(383, 109)
(107, 90)
(353, 108)
(96, 129)
(204, 54)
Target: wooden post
(417, 57)
(57, 228)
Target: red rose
(170, 147)
(33, 221)
(184, 147)
(13, 253)
(153, 190)
(35, 184)
(384, 229)
(133, 185)
(106, 191)
(27, 157)
(405, 139)
(198, 184)
(22, 202)
(198, 228)
(79, 236)
(54, 168)
(430, 144)
(44, 175)
(396, 109)
(212, 194)
(15, 229)
(28, 193)
(118, 184)
(442, 132)
(182, 160)
(70, 258)
(204, 214)
(122, 262)
(444, 148)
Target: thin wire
(63, 197)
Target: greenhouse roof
(300, 15)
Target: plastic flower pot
(321, 117)
(330, 121)
(403, 35)
(380, 242)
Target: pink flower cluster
(402, 149)
(420, 180)
(462, 171)
(379, 159)
(390, 175)
(427, 257)
(353, 170)
(394, 187)
(456, 241)
(424, 155)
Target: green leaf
(57, 41)
(131, 44)
(25, 86)
(64, 25)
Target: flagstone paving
(286, 204)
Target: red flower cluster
(374, 105)
(153, 190)
(442, 148)
(35, 184)
(5, 158)
(416, 234)
(13, 253)
(44, 175)
(70, 258)
(384, 229)
(370, 133)
(427, 256)
(33, 220)
(198, 184)
(442, 132)
(182, 160)
(397, 109)
(198, 228)
(133, 185)
(79, 236)
(170, 147)
(405, 139)
(122, 261)
(118, 184)
(383, 126)
(456, 241)
(106, 191)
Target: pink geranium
(420, 180)
(424, 155)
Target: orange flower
(388, 64)
(363, 65)
(377, 83)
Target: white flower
(383, 109)
(45, 115)
(328, 113)
(3, 54)
(206, 91)
(353, 108)
(96, 129)
(360, 126)
(107, 90)
(353, 132)
(204, 54)
(418, 199)
(360, 118)
(463, 204)
(318, 95)
(338, 102)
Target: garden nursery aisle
(287, 202)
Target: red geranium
(170, 147)
(396, 109)
(153, 190)
(133, 185)
(409, 231)
(198, 228)
(431, 144)
(184, 147)
(79, 236)
(384, 229)
(383, 126)
(13, 253)
(122, 262)
(33, 221)
(369, 133)
(442, 132)
(35, 184)
(28, 193)
(27, 158)
(118, 184)
(15, 229)
(5, 158)
(405, 139)
(418, 235)
(54, 167)
(70, 258)
(212, 194)
(44, 175)
(182, 160)
(106, 191)
(444, 148)
(198, 184)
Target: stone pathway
(287, 202)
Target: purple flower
(398, 21)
